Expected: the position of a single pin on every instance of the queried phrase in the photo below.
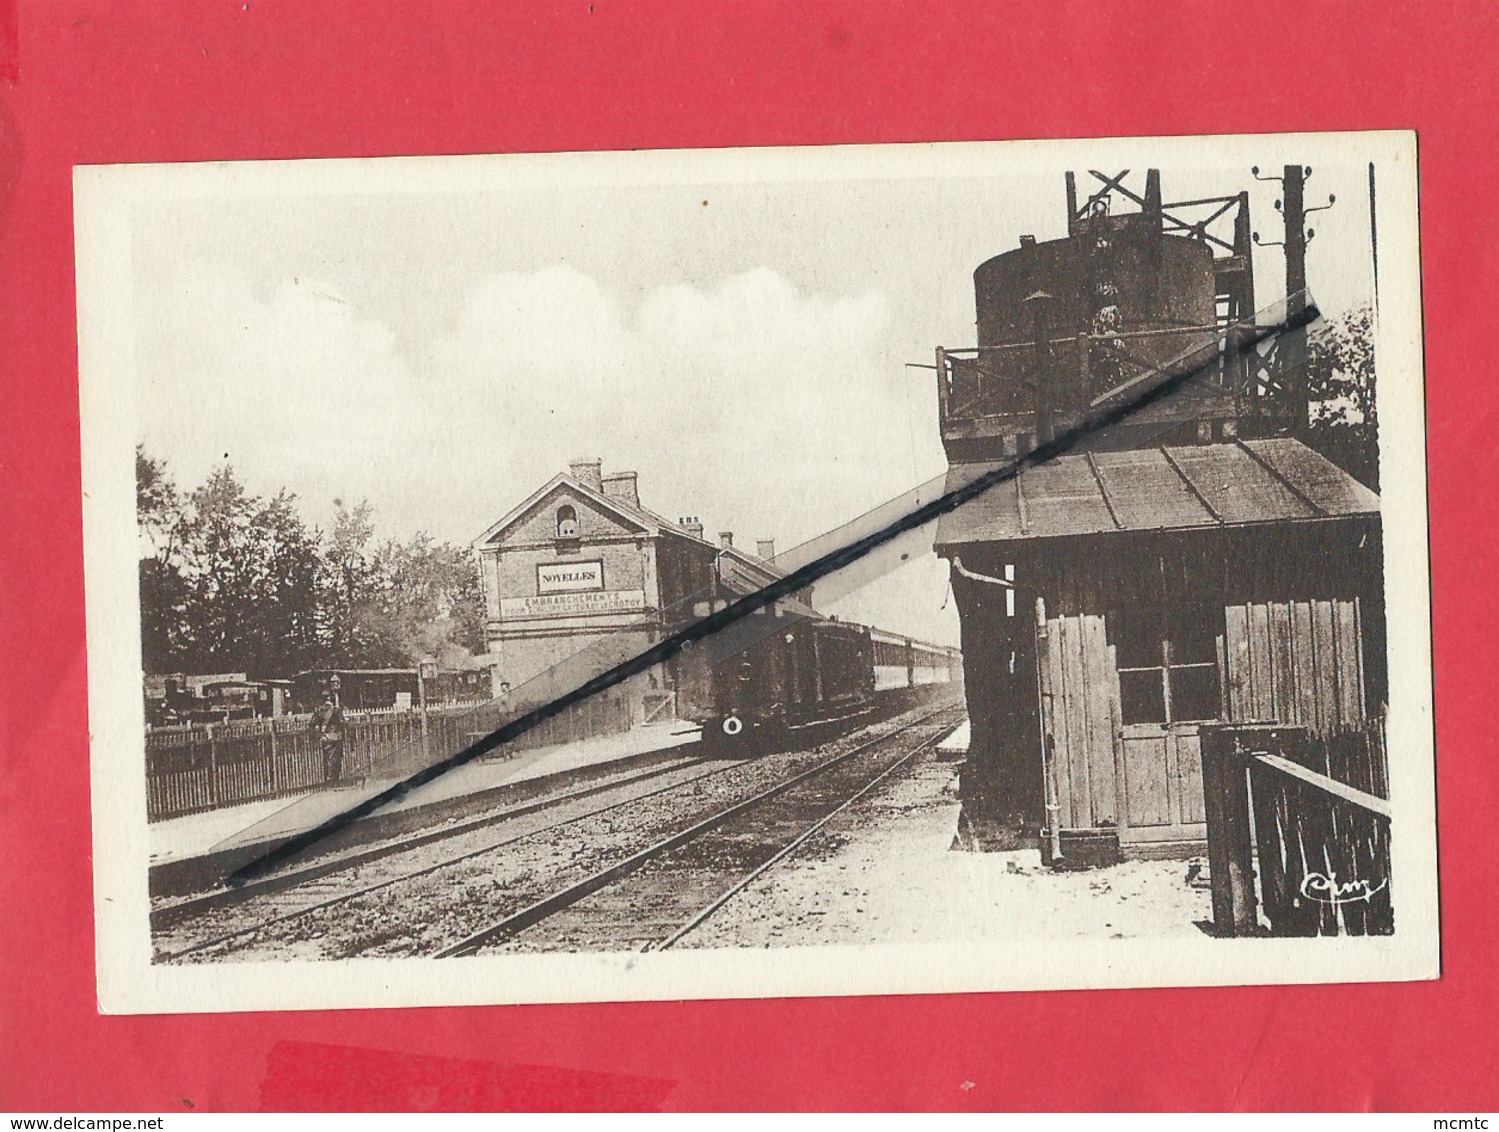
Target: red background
(85, 81)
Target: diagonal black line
(782, 588)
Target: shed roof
(1170, 488)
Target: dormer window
(567, 522)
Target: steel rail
(354, 894)
(423, 839)
(171, 914)
(787, 850)
(538, 911)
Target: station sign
(569, 577)
(572, 604)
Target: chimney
(588, 471)
(692, 525)
(623, 486)
(726, 539)
(766, 549)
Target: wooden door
(1143, 779)
(1079, 718)
(1161, 775)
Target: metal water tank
(1159, 284)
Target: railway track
(170, 911)
(658, 896)
(229, 915)
(423, 896)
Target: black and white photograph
(842, 570)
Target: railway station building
(581, 575)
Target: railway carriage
(809, 679)
(806, 677)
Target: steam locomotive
(804, 680)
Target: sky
(742, 345)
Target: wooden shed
(1114, 602)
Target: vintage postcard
(846, 570)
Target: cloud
(295, 387)
(749, 402)
(556, 316)
(748, 318)
(741, 402)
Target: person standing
(329, 722)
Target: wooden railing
(1082, 371)
(1285, 836)
(658, 707)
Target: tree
(352, 632)
(250, 570)
(280, 634)
(217, 562)
(163, 603)
(158, 507)
(434, 606)
(163, 590)
(1344, 424)
(234, 582)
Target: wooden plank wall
(1296, 663)
(1078, 672)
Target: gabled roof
(1173, 488)
(554, 487)
(744, 573)
(646, 521)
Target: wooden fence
(199, 767)
(1287, 836)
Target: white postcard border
(128, 982)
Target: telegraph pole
(1293, 209)
(1293, 343)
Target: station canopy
(1153, 489)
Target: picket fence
(195, 767)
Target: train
(811, 678)
(177, 698)
(380, 689)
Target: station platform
(955, 745)
(196, 851)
